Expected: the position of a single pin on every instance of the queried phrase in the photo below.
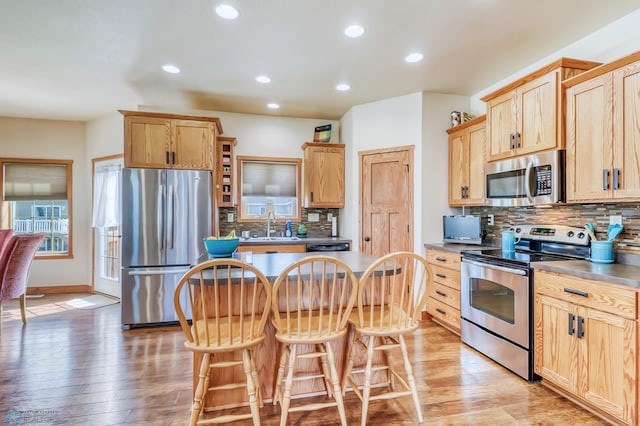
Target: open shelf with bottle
(224, 148)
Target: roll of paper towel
(334, 226)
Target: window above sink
(268, 184)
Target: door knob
(367, 239)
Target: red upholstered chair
(15, 264)
(5, 236)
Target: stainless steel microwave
(526, 181)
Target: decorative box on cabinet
(603, 137)
(169, 141)
(585, 343)
(224, 173)
(466, 163)
(526, 116)
(323, 175)
(443, 289)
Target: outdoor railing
(56, 226)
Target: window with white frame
(268, 184)
(36, 198)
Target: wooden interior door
(386, 201)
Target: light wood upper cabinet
(323, 175)
(603, 136)
(585, 342)
(466, 163)
(526, 116)
(158, 140)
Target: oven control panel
(552, 233)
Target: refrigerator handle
(160, 208)
(170, 224)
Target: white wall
(65, 140)
(384, 124)
(436, 119)
(614, 41)
(264, 135)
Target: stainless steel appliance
(165, 216)
(527, 180)
(466, 229)
(496, 292)
(329, 246)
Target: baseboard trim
(58, 289)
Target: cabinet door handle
(311, 196)
(440, 311)
(512, 139)
(576, 292)
(605, 179)
(441, 276)
(166, 158)
(580, 327)
(517, 139)
(572, 330)
(440, 293)
(441, 259)
(173, 157)
(616, 178)
(462, 192)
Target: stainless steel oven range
(496, 300)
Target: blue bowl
(223, 247)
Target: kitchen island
(266, 355)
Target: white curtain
(106, 196)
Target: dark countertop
(614, 273)
(457, 248)
(309, 240)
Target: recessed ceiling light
(171, 69)
(226, 11)
(263, 79)
(354, 31)
(273, 105)
(343, 87)
(414, 57)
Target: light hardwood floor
(77, 367)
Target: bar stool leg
(251, 386)
(336, 383)
(201, 389)
(368, 373)
(286, 400)
(347, 372)
(325, 371)
(410, 378)
(284, 358)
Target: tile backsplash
(321, 228)
(571, 215)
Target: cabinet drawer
(592, 294)
(445, 295)
(446, 276)
(444, 258)
(444, 313)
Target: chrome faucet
(270, 216)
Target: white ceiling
(81, 59)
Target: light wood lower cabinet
(443, 289)
(273, 248)
(585, 342)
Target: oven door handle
(496, 267)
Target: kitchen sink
(271, 239)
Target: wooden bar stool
(312, 300)
(229, 301)
(391, 295)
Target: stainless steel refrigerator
(165, 216)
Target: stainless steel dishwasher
(329, 246)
